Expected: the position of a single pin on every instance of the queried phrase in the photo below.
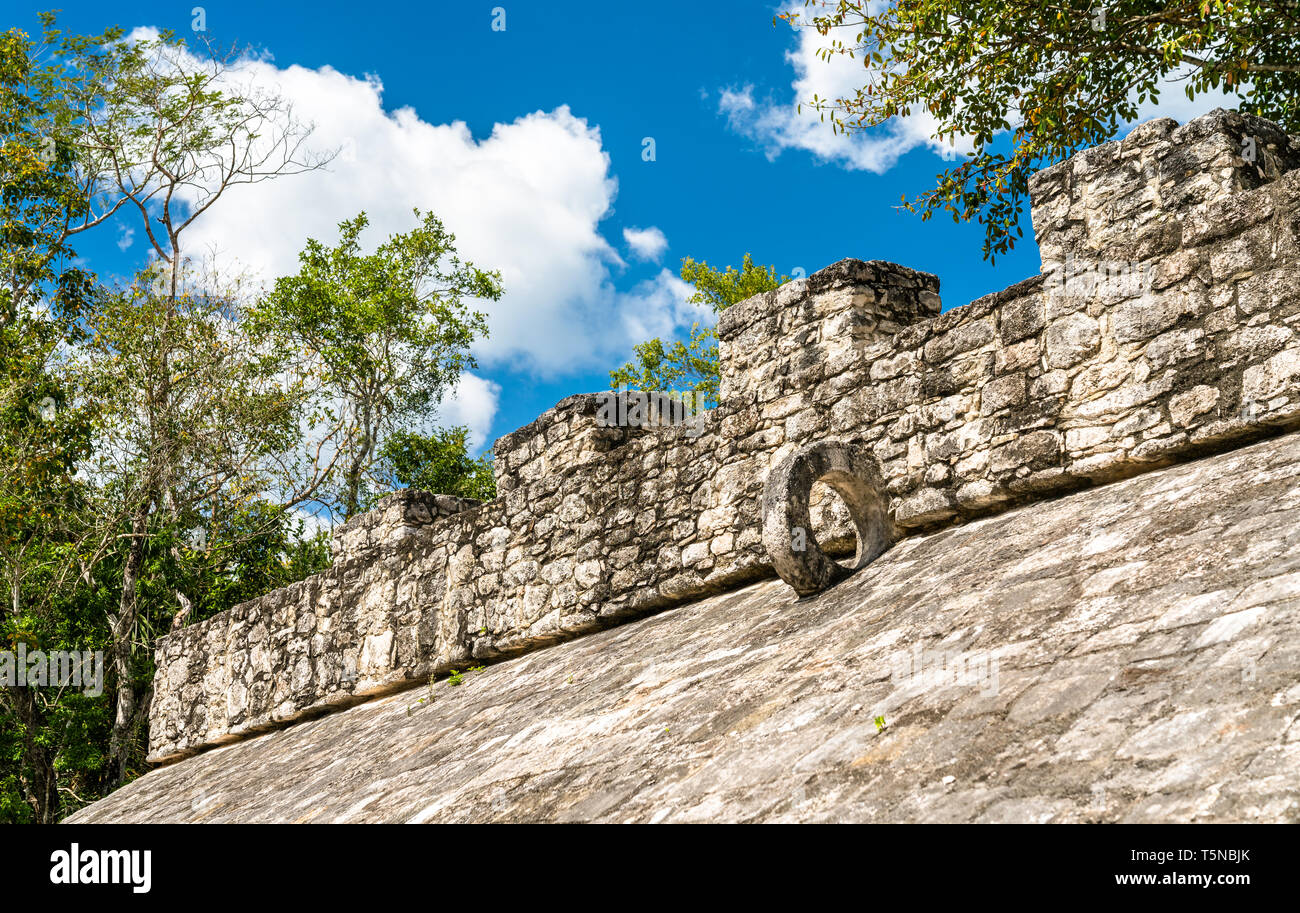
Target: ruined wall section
(593, 524)
(1165, 326)
(1052, 384)
(324, 642)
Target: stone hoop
(787, 528)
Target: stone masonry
(1163, 327)
(1128, 653)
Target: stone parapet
(1164, 326)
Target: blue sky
(547, 172)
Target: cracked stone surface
(1127, 653)
(1165, 326)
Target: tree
(440, 463)
(44, 199)
(40, 446)
(191, 417)
(249, 552)
(1057, 76)
(149, 446)
(387, 333)
(692, 365)
(166, 130)
(43, 433)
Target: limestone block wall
(321, 643)
(1187, 342)
(592, 524)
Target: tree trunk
(356, 471)
(352, 492)
(120, 738)
(38, 779)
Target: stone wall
(1128, 653)
(324, 642)
(1187, 344)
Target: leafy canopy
(440, 463)
(389, 331)
(692, 365)
(1058, 75)
(44, 201)
(130, 419)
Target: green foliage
(211, 396)
(720, 289)
(454, 679)
(43, 438)
(50, 741)
(440, 463)
(150, 434)
(44, 203)
(1058, 76)
(389, 332)
(252, 554)
(692, 364)
(255, 549)
(428, 698)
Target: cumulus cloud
(665, 308)
(472, 403)
(777, 125)
(528, 200)
(646, 243)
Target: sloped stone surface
(1147, 645)
(1165, 326)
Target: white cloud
(472, 403)
(527, 200)
(662, 309)
(777, 124)
(125, 236)
(646, 243)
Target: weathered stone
(597, 523)
(787, 522)
(1169, 694)
(1071, 339)
(1001, 392)
(1184, 407)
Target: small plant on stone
(880, 724)
(427, 698)
(456, 677)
